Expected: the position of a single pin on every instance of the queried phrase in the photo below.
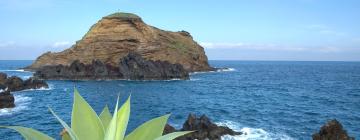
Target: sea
(267, 100)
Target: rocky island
(122, 46)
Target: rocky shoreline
(204, 129)
(133, 67)
(14, 83)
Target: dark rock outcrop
(203, 127)
(6, 99)
(332, 130)
(79, 71)
(15, 83)
(132, 66)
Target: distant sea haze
(265, 99)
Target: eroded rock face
(6, 99)
(114, 36)
(79, 71)
(133, 66)
(15, 83)
(332, 130)
(203, 127)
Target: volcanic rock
(15, 83)
(332, 130)
(132, 66)
(203, 127)
(6, 99)
(115, 36)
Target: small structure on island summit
(122, 46)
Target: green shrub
(87, 125)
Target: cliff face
(114, 36)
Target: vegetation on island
(87, 125)
(123, 15)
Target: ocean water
(267, 100)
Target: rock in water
(203, 127)
(332, 130)
(113, 37)
(6, 99)
(15, 83)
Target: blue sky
(326, 30)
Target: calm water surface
(268, 100)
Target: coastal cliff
(114, 37)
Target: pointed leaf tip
(84, 120)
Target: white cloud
(249, 46)
(277, 47)
(324, 29)
(62, 44)
(7, 44)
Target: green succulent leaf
(122, 119)
(71, 133)
(117, 127)
(105, 117)
(65, 136)
(173, 135)
(29, 133)
(84, 120)
(150, 130)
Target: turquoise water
(268, 100)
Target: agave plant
(87, 125)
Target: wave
(225, 69)
(18, 70)
(217, 70)
(251, 133)
(51, 87)
(21, 103)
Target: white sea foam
(225, 69)
(251, 133)
(21, 103)
(51, 87)
(19, 70)
(217, 70)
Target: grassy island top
(123, 15)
